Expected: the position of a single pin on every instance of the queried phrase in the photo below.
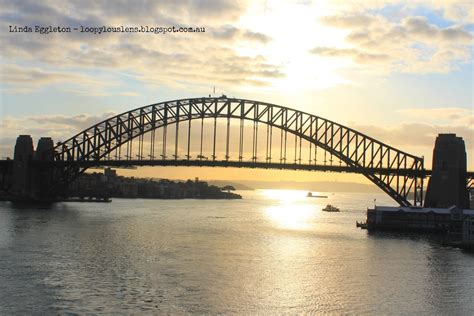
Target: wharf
(454, 222)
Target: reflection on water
(291, 215)
(291, 211)
(275, 251)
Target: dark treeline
(109, 184)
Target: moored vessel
(331, 208)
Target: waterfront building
(468, 233)
(446, 220)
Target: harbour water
(274, 251)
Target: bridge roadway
(236, 164)
(5, 164)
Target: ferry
(330, 208)
(310, 194)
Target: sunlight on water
(293, 209)
(291, 215)
(273, 252)
(283, 195)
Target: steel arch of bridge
(395, 172)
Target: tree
(228, 188)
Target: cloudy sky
(399, 71)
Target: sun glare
(294, 30)
(291, 216)
(283, 195)
(292, 211)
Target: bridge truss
(470, 180)
(276, 137)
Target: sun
(294, 30)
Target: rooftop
(416, 209)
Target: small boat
(362, 225)
(310, 194)
(330, 208)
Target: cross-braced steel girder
(470, 180)
(397, 173)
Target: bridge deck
(4, 164)
(223, 163)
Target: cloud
(230, 54)
(129, 94)
(20, 79)
(257, 37)
(231, 33)
(153, 61)
(173, 59)
(450, 10)
(410, 45)
(77, 122)
(416, 138)
(226, 32)
(145, 11)
(59, 127)
(418, 26)
(357, 55)
(453, 115)
(348, 21)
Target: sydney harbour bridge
(232, 132)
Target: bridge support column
(447, 185)
(31, 182)
(21, 180)
(43, 174)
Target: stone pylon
(447, 185)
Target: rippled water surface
(272, 252)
